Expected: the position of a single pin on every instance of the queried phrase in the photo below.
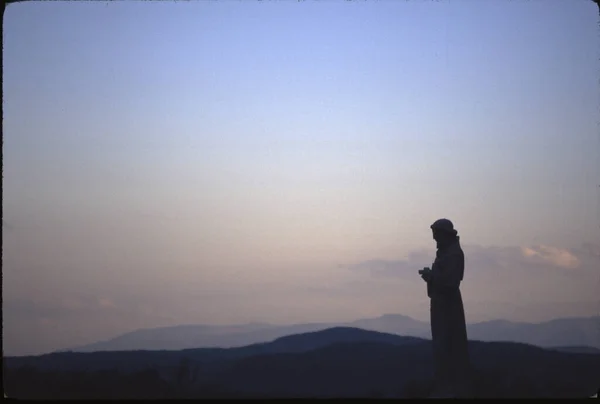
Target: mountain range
(577, 333)
(335, 362)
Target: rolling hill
(581, 332)
(335, 362)
(140, 359)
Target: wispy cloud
(402, 268)
(523, 275)
(106, 303)
(486, 259)
(551, 255)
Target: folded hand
(425, 274)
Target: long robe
(448, 325)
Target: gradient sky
(228, 162)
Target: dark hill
(556, 333)
(337, 362)
(577, 349)
(367, 369)
(319, 339)
(136, 360)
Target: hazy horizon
(175, 163)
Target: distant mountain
(194, 336)
(336, 362)
(140, 359)
(394, 324)
(184, 337)
(318, 339)
(560, 332)
(584, 331)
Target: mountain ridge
(336, 362)
(575, 331)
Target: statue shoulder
(456, 250)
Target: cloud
(106, 303)
(521, 275)
(551, 255)
(484, 260)
(379, 267)
(406, 268)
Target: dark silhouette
(448, 325)
(334, 363)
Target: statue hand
(425, 274)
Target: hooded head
(443, 231)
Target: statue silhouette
(448, 326)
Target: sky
(228, 162)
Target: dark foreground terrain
(337, 362)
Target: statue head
(443, 229)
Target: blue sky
(226, 146)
